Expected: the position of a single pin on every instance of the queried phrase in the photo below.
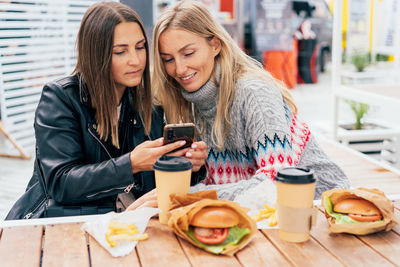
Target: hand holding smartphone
(182, 131)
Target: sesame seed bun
(215, 217)
(356, 206)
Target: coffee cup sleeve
(296, 220)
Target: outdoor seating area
(199, 133)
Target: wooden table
(61, 242)
(362, 170)
(65, 244)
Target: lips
(187, 78)
(133, 72)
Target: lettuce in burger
(214, 228)
(352, 210)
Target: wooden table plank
(397, 204)
(260, 252)
(348, 248)
(396, 229)
(65, 245)
(21, 246)
(385, 243)
(99, 256)
(199, 257)
(308, 253)
(162, 248)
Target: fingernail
(161, 140)
(188, 154)
(194, 145)
(183, 142)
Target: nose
(180, 67)
(133, 58)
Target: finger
(133, 206)
(200, 145)
(179, 153)
(196, 165)
(150, 204)
(199, 155)
(154, 143)
(196, 169)
(152, 193)
(168, 148)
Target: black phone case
(175, 132)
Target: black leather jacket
(76, 165)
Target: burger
(360, 210)
(352, 210)
(214, 228)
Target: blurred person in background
(247, 119)
(97, 132)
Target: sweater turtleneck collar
(206, 97)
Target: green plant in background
(360, 60)
(360, 110)
(382, 57)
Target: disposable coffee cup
(173, 175)
(295, 212)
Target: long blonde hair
(234, 64)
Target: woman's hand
(197, 154)
(147, 200)
(145, 155)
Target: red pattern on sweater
(266, 159)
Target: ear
(215, 44)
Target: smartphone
(182, 131)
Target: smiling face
(128, 56)
(187, 57)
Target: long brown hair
(234, 64)
(94, 43)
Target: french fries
(267, 213)
(123, 232)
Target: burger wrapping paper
(375, 196)
(181, 217)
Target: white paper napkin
(98, 228)
(256, 197)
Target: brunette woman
(97, 133)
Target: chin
(191, 88)
(133, 83)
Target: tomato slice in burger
(365, 218)
(211, 236)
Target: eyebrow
(183, 48)
(123, 45)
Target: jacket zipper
(98, 140)
(29, 215)
(127, 189)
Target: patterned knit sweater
(264, 137)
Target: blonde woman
(247, 119)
